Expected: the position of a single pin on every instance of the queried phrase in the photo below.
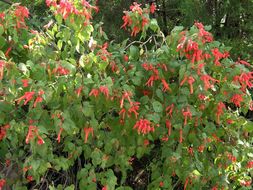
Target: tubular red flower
(104, 90)
(144, 126)
(187, 114)
(59, 135)
(168, 125)
(94, 92)
(165, 86)
(87, 131)
(28, 97)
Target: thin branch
(6, 1)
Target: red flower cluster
(28, 96)
(203, 34)
(137, 18)
(143, 126)
(21, 13)
(67, 8)
(61, 71)
(32, 132)
(245, 80)
(103, 89)
(237, 99)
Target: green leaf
(157, 106)
(154, 25)
(134, 52)
(248, 126)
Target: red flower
(2, 15)
(187, 114)
(169, 110)
(134, 109)
(59, 135)
(21, 13)
(30, 134)
(161, 184)
(165, 86)
(94, 92)
(104, 90)
(136, 8)
(201, 148)
(237, 99)
(168, 126)
(143, 126)
(29, 178)
(127, 96)
(135, 30)
(28, 97)
(40, 141)
(146, 142)
(87, 131)
(37, 100)
(61, 71)
(2, 183)
(219, 111)
(144, 22)
(127, 20)
(78, 91)
(246, 183)
(152, 8)
(250, 164)
(25, 82)
(206, 80)
(126, 59)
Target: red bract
(143, 126)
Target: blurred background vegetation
(231, 20)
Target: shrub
(78, 112)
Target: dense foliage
(80, 112)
